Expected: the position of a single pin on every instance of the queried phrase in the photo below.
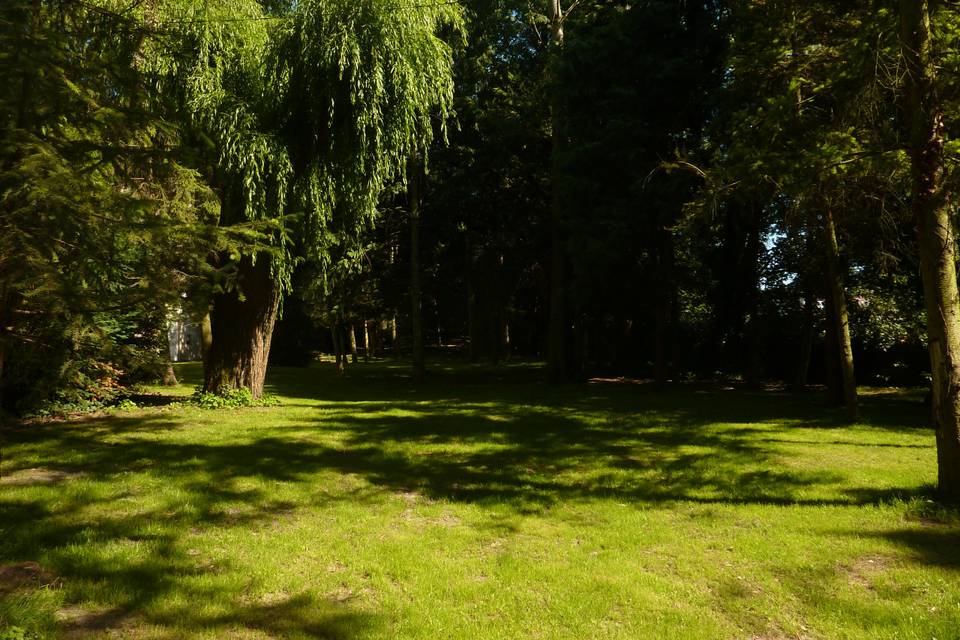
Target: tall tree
(415, 195)
(102, 226)
(932, 210)
(557, 331)
(347, 93)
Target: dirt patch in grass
(24, 575)
(445, 519)
(80, 623)
(863, 571)
(37, 475)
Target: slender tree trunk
(664, 293)
(674, 368)
(557, 330)
(751, 321)
(392, 325)
(839, 315)
(367, 345)
(352, 338)
(505, 338)
(659, 343)
(473, 332)
(339, 357)
(416, 298)
(498, 328)
(932, 209)
(242, 329)
(581, 348)
(806, 345)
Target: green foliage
(16, 633)
(104, 225)
(231, 399)
(358, 85)
(311, 113)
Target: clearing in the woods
(482, 504)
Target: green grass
(482, 505)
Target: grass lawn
(482, 505)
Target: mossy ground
(483, 504)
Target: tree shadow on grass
(387, 383)
(118, 568)
(463, 437)
(489, 443)
(512, 441)
(106, 588)
(931, 545)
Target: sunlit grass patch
(484, 505)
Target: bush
(16, 633)
(232, 399)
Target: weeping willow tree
(309, 115)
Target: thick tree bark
(242, 329)
(4, 323)
(831, 355)
(416, 297)
(206, 337)
(931, 209)
(557, 328)
(839, 316)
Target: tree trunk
(674, 368)
(557, 330)
(367, 345)
(206, 337)
(806, 345)
(473, 331)
(392, 325)
(839, 316)
(352, 338)
(751, 320)
(242, 329)
(415, 178)
(339, 355)
(169, 376)
(4, 323)
(505, 339)
(832, 377)
(931, 209)
(499, 339)
(665, 291)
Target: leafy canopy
(312, 111)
